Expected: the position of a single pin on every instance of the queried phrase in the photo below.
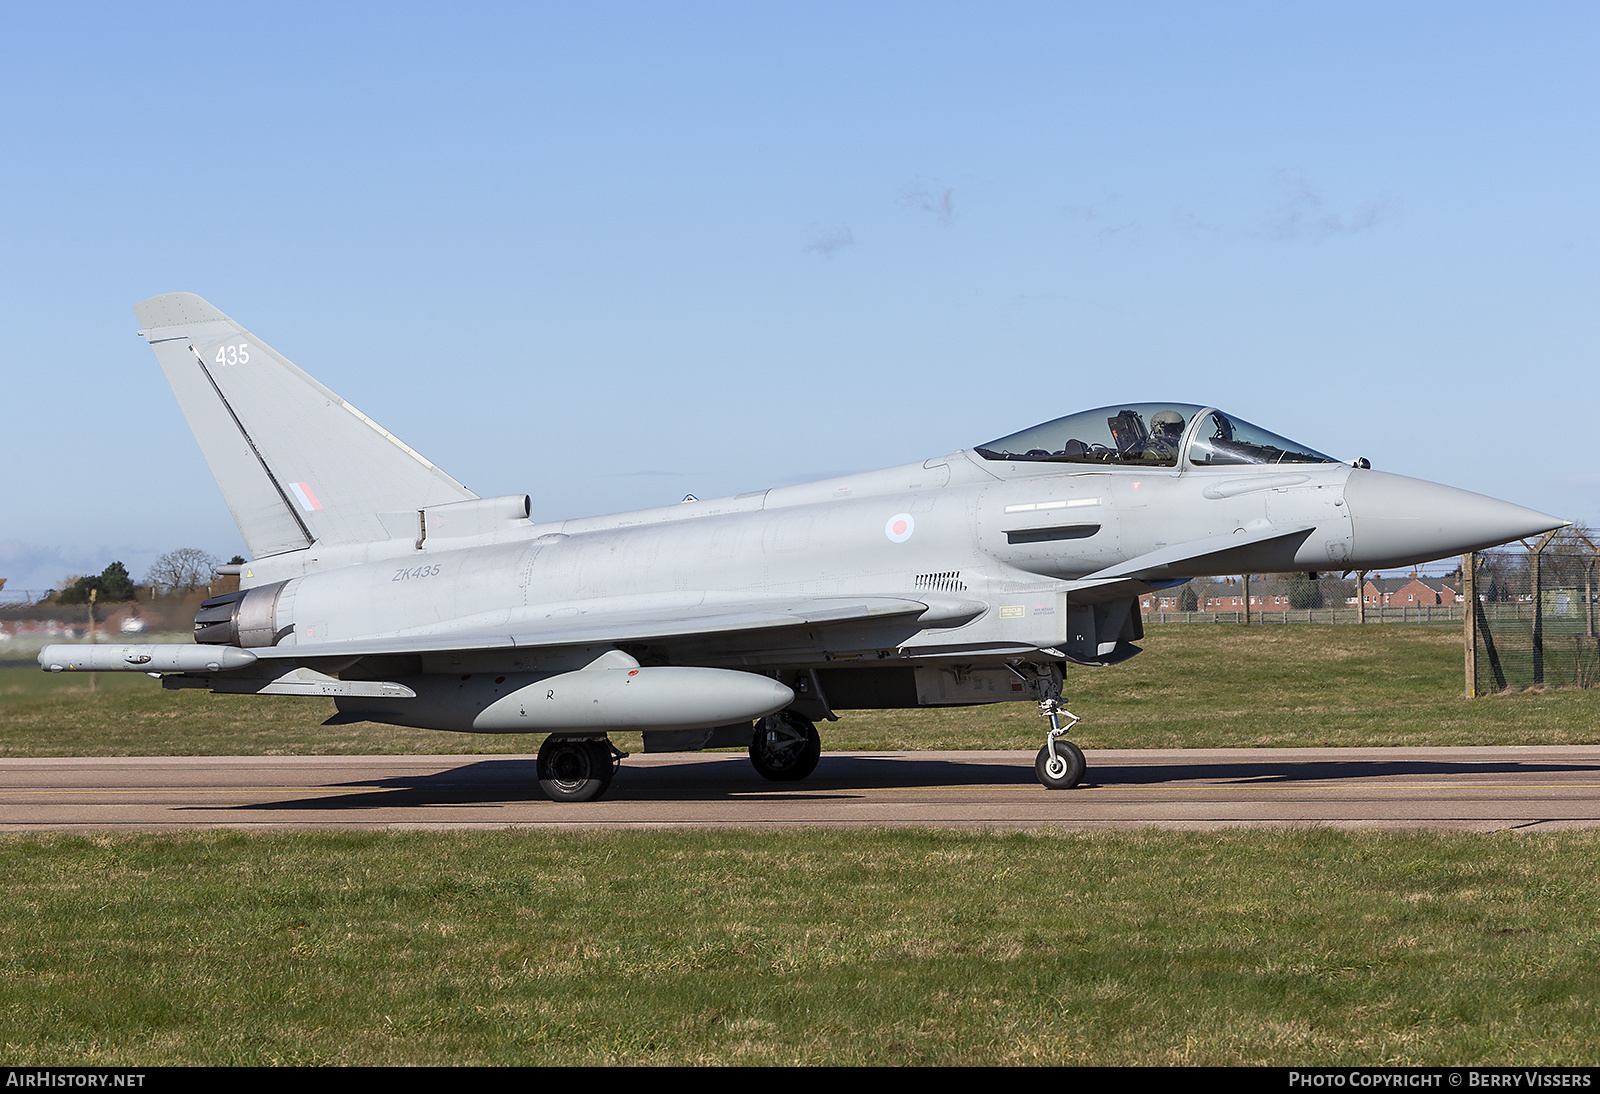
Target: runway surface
(1471, 789)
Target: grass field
(889, 947)
(767, 948)
(1194, 686)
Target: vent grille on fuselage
(947, 582)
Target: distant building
(1411, 591)
(1222, 595)
(1269, 592)
(1164, 601)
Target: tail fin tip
(177, 309)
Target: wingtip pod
(146, 658)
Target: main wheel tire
(574, 770)
(786, 747)
(1063, 771)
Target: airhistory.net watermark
(57, 1078)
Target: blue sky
(606, 254)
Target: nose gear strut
(1060, 764)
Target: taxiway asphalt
(1472, 789)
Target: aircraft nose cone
(1396, 521)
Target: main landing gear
(577, 769)
(785, 747)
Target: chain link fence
(1422, 613)
(1530, 611)
(1536, 614)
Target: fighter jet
(976, 577)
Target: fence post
(1537, 552)
(1469, 587)
(1538, 618)
(93, 677)
(1588, 594)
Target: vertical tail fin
(296, 463)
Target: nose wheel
(1060, 764)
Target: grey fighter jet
(976, 577)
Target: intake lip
(1396, 521)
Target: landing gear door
(1102, 634)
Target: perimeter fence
(1422, 613)
(1536, 614)
(1530, 611)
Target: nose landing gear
(1060, 764)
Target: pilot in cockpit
(1166, 433)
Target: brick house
(1411, 591)
(1222, 595)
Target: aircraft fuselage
(382, 582)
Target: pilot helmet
(1167, 421)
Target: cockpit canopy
(1150, 435)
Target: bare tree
(1570, 555)
(187, 568)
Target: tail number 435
(234, 355)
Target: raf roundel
(900, 527)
